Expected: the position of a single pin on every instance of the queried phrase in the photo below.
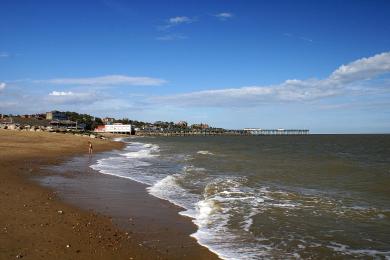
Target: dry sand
(36, 224)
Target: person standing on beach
(90, 148)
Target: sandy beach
(37, 223)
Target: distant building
(200, 126)
(39, 116)
(115, 128)
(100, 129)
(67, 124)
(56, 115)
(150, 127)
(182, 124)
(4, 119)
(161, 123)
(108, 120)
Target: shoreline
(30, 210)
(154, 222)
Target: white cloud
(109, 80)
(179, 20)
(224, 16)
(362, 69)
(2, 86)
(175, 21)
(61, 93)
(345, 80)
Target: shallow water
(253, 197)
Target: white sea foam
(225, 199)
(141, 150)
(169, 189)
(130, 164)
(115, 167)
(205, 153)
(358, 252)
(139, 154)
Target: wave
(204, 153)
(133, 164)
(344, 249)
(225, 208)
(169, 189)
(139, 154)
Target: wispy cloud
(63, 97)
(84, 92)
(179, 20)
(171, 37)
(302, 38)
(175, 21)
(120, 7)
(4, 54)
(356, 105)
(109, 80)
(342, 81)
(61, 93)
(8, 105)
(224, 16)
(306, 39)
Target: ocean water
(270, 197)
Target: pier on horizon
(280, 131)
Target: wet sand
(47, 223)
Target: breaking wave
(226, 208)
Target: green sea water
(271, 197)
(318, 196)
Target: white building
(115, 128)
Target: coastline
(37, 223)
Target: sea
(270, 197)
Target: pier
(259, 131)
(185, 132)
(224, 132)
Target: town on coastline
(95, 127)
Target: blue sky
(234, 64)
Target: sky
(318, 65)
